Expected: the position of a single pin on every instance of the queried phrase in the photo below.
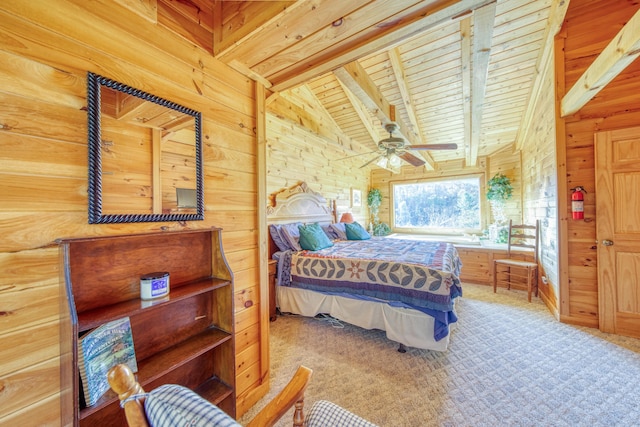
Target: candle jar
(154, 285)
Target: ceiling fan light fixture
(390, 162)
(395, 161)
(383, 162)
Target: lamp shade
(346, 217)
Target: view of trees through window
(444, 204)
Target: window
(443, 206)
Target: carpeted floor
(509, 363)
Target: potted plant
(499, 190)
(374, 200)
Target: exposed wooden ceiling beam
(483, 19)
(619, 53)
(355, 78)
(311, 103)
(362, 113)
(238, 23)
(253, 41)
(554, 24)
(405, 92)
(431, 14)
(411, 157)
(244, 70)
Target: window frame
(439, 231)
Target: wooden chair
(519, 270)
(132, 398)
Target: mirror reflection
(144, 156)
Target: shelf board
(90, 319)
(161, 363)
(165, 361)
(214, 390)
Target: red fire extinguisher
(577, 203)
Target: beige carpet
(509, 363)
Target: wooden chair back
(521, 236)
(524, 236)
(124, 383)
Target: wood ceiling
(447, 71)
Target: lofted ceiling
(446, 71)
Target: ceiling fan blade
(411, 159)
(370, 161)
(433, 147)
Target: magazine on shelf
(101, 349)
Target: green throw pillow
(356, 232)
(313, 237)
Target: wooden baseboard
(580, 321)
(547, 294)
(550, 302)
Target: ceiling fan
(395, 149)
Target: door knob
(607, 242)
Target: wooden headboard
(298, 204)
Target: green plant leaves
(499, 188)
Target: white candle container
(154, 285)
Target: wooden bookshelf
(185, 338)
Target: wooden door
(618, 230)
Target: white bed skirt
(403, 325)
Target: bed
(406, 288)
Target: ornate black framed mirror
(145, 156)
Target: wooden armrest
(292, 394)
(123, 382)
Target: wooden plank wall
(126, 162)
(507, 162)
(540, 189)
(45, 52)
(539, 184)
(296, 154)
(589, 26)
(178, 157)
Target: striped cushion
(274, 231)
(291, 234)
(323, 414)
(340, 230)
(172, 405)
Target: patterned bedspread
(421, 274)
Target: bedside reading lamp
(346, 217)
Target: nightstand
(273, 265)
